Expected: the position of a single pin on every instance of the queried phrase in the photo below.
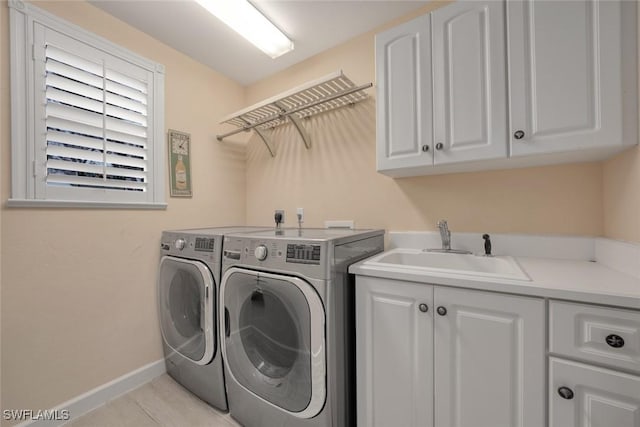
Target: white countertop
(574, 280)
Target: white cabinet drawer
(582, 395)
(604, 335)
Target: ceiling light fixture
(247, 21)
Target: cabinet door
(586, 396)
(404, 96)
(394, 339)
(470, 89)
(565, 75)
(489, 359)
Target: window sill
(71, 204)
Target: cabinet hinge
(33, 167)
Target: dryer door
(186, 296)
(274, 343)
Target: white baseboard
(100, 395)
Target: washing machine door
(186, 296)
(274, 343)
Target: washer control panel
(189, 245)
(303, 254)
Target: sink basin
(504, 267)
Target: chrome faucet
(445, 234)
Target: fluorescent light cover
(247, 21)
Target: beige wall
(622, 196)
(78, 285)
(337, 179)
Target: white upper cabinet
(403, 95)
(480, 85)
(469, 71)
(441, 93)
(566, 76)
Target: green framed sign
(180, 163)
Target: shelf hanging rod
(294, 110)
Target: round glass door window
(269, 334)
(268, 344)
(184, 303)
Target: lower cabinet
(437, 356)
(581, 393)
(489, 359)
(394, 346)
(584, 395)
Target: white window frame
(28, 129)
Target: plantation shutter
(97, 117)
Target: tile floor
(161, 402)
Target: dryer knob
(179, 244)
(261, 252)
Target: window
(87, 118)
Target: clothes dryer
(188, 280)
(287, 325)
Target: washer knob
(261, 252)
(179, 244)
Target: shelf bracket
(261, 133)
(265, 139)
(297, 123)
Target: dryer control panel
(303, 254)
(204, 244)
(307, 258)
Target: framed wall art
(180, 163)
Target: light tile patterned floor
(162, 402)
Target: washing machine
(287, 324)
(188, 285)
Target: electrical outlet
(300, 214)
(281, 212)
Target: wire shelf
(328, 93)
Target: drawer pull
(565, 393)
(442, 311)
(423, 307)
(615, 341)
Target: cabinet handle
(615, 341)
(442, 311)
(519, 134)
(565, 393)
(425, 148)
(439, 146)
(423, 308)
